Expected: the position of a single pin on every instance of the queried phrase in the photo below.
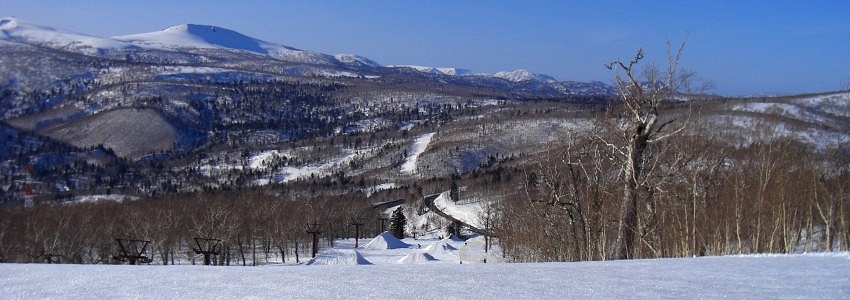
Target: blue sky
(744, 47)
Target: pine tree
(454, 192)
(397, 223)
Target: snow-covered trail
(416, 149)
(818, 276)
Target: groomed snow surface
(418, 147)
(388, 268)
(813, 276)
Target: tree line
(252, 227)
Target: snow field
(737, 277)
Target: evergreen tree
(454, 192)
(397, 223)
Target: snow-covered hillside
(19, 31)
(820, 276)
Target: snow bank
(416, 149)
(339, 257)
(385, 240)
(416, 258)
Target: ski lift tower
(133, 251)
(315, 229)
(383, 218)
(208, 247)
(357, 222)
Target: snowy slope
(820, 276)
(416, 149)
(18, 31)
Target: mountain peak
(200, 36)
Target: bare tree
(642, 125)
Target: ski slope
(416, 149)
(810, 276)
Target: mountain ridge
(186, 37)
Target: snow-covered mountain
(195, 44)
(521, 75)
(192, 38)
(518, 75)
(202, 36)
(451, 71)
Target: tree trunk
(627, 226)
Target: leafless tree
(643, 124)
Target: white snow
(261, 160)
(293, 173)
(819, 276)
(96, 198)
(416, 149)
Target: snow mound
(435, 247)
(339, 257)
(416, 258)
(386, 240)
